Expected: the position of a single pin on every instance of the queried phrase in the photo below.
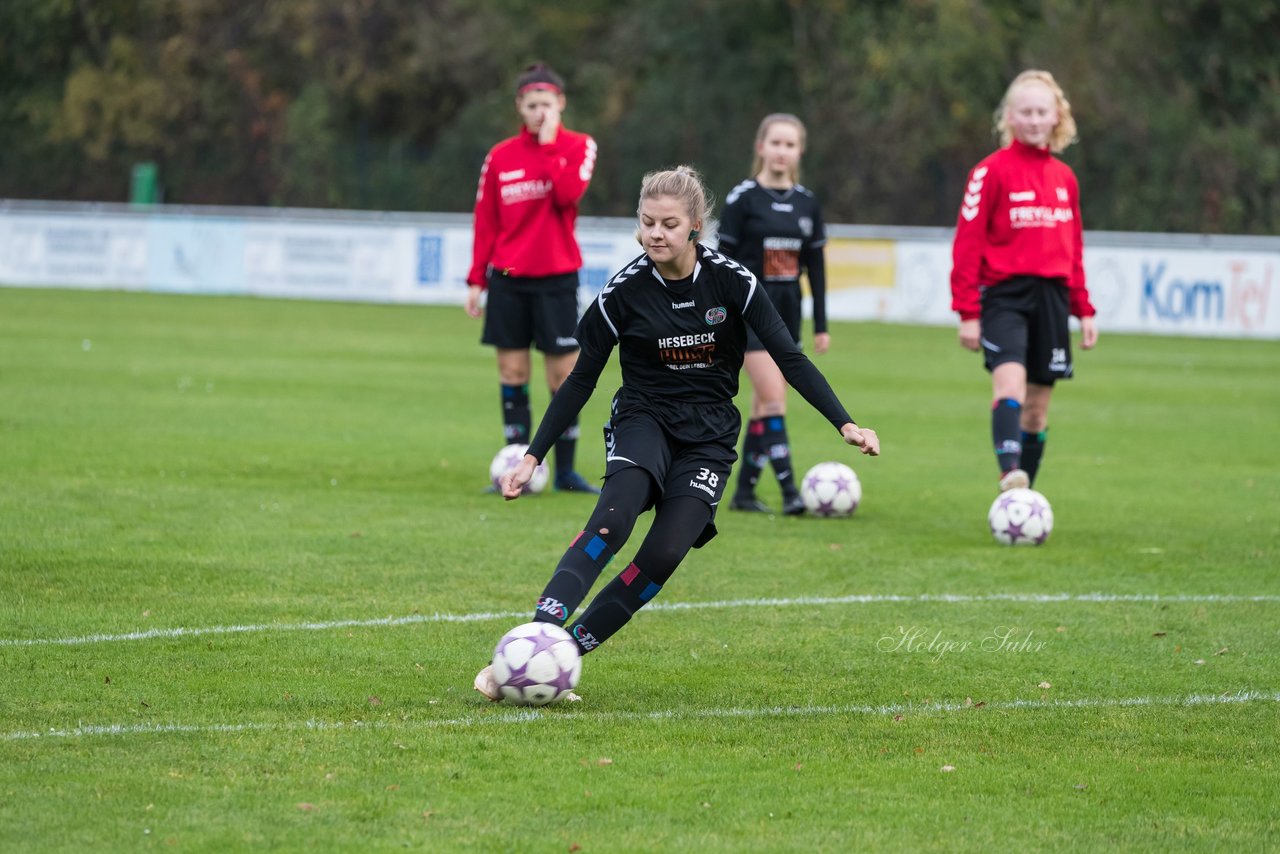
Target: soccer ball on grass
(536, 664)
(831, 490)
(510, 457)
(1020, 517)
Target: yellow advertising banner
(859, 263)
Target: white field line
(547, 717)
(798, 601)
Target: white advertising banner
(73, 251)
(319, 261)
(1165, 291)
(1173, 285)
(1185, 292)
(195, 255)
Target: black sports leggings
(677, 524)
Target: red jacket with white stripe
(527, 204)
(1020, 217)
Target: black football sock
(517, 420)
(779, 450)
(1032, 451)
(753, 458)
(624, 495)
(679, 523)
(1005, 433)
(613, 607)
(578, 569)
(566, 447)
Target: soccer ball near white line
(831, 489)
(1020, 517)
(535, 664)
(510, 457)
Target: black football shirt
(777, 234)
(680, 343)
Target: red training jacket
(527, 204)
(1020, 217)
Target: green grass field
(247, 573)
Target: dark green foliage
(391, 104)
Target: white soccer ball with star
(536, 664)
(1020, 517)
(831, 490)
(510, 457)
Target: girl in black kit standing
(774, 227)
(679, 315)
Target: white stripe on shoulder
(604, 312)
(722, 260)
(625, 273)
(738, 191)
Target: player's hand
(971, 334)
(821, 342)
(1088, 333)
(513, 481)
(862, 438)
(550, 127)
(473, 300)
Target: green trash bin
(144, 188)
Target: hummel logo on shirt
(973, 194)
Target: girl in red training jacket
(1017, 272)
(526, 255)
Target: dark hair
(539, 72)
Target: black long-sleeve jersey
(778, 234)
(681, 345)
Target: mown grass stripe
(414, 619)
(532, 716)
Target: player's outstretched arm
(862, 438)
(514, 480)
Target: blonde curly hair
(1064, 132)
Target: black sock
(775, 441)
(753, 458)
(578, 569)
(1005, 433)
(1032, 451)
(613, 607)
(624, 496)
(517, 420)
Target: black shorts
(785, 297)
(541, 311)
(1025, 320)
(686, 449)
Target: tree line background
(392, 104)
